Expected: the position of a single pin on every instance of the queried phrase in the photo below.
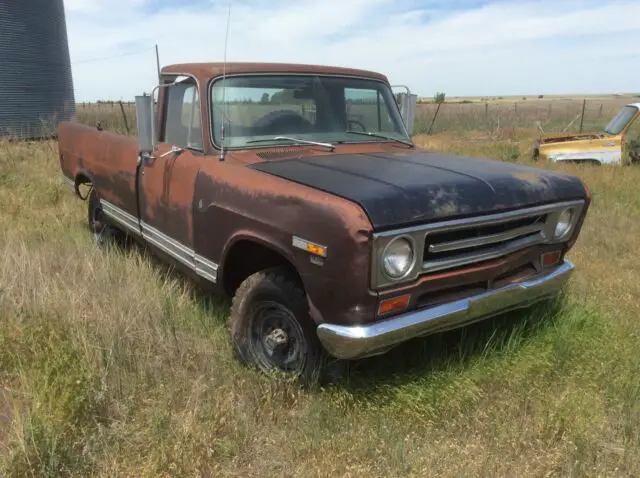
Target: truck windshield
(258, 109)
(620, 121)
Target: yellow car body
(610, 146)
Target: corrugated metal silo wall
(36, 87)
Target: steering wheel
(350, 121)
(282, 121)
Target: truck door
(167, 182)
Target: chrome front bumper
(358, 341)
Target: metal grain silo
(36, 88)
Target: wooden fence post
(584, 103)
(124, 116)
(434, 118)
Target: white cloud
(495, 49)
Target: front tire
(271, 328)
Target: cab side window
(367, 110)
(182, 119)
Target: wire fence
(543, 115)
(540, 115)
(116, 116)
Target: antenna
(158, 63)
(224, 85)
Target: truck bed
(106, 159)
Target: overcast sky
(464, 47)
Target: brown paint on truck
(107, 159)
(243, 204)
(215, 207)
(167, 188)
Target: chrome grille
(455, 247)
(447, 245)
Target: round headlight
(564, 224)
(398, 258)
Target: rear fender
(82, 177)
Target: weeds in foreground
(112, 365)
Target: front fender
(602, 157)
(232, 202)
(276, 243)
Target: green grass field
(112, 365)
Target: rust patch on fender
(236, 199)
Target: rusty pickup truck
(298, 191)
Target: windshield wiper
(296, 140)
(378, 135)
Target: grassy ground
(543, 115)
(110, 365)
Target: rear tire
(271, 328)
(103, 233)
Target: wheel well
(247, 257)
(80, 180)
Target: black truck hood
(403, 188)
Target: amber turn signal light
(394, 304)
(550, 258)
(310, 247)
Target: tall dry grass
(113, 365)
(541, 115)
(109, 116)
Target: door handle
(173, 150)
(149, 158)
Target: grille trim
(547, 215)
(474, 257)
(486, 240)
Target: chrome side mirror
(144, 121)
(407, 102)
